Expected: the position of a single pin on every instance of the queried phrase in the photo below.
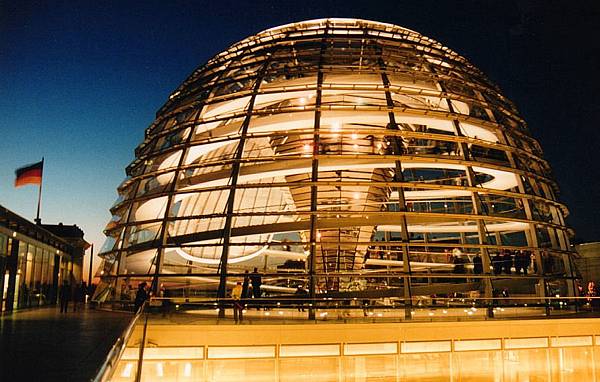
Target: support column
(235, 172)
(478, 208)
(12, 267)
(314, 178)
(397, 150)
(55, 283)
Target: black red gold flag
(31, 174)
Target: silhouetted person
(517, 261)
(459, 267)
(459, 264)
(301, 294)
(508, 262)
(65, 296)
(477, 265)
(497, 261)
(525, 260)
(140, 297)
(78, 295)
(256, 281)
(166, 304)
(246, 286)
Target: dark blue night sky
(80, 81)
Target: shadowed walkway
(43, 345)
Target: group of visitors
(70, 291)
(592, 296)
(242, 291)
(505, 260)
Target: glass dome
(346, 156)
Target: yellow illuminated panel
(309, 350)
(525, 343)
(426, 347)
(468, 345)
(241, 352)
(367, 349)
(571, 341)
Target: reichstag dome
(341, 156)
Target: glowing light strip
(232, 260)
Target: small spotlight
(336, 126)
(187, 369)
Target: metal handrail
(106, 370)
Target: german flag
(31, 174)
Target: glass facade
(34, 261)
(37, 276)
(341, 155)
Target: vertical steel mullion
(532, 236)
(475, 199)
(159, 259)
(399, 177)
(477, 209)
(235, 171)
(314, 178)
(120, 259)
(165, 221)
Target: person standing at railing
(592, 296)
(236, 296)
(140, 297)
(256, 281)
(508, 262)
(301, 294)
(477, 265)
(246, 291)
(497, 263)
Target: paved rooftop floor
(45, 345)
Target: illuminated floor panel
(530, 350)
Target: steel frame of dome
(365, 150)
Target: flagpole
(37, 216)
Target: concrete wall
(589, 261)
